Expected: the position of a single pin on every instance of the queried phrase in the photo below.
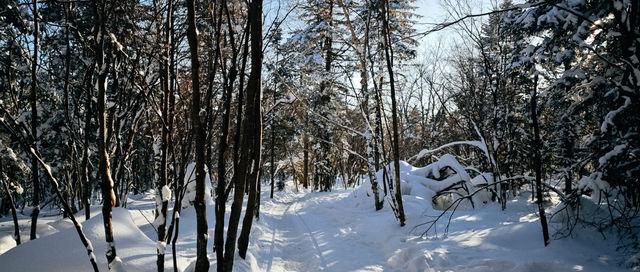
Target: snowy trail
(330, 231)
(293, 245)
(298, 234)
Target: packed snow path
(304, 238)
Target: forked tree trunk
(244, 173)
(221, 198)
(396, 151)
(253, 128)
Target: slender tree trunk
(34, 124)
(16, 227)
(163, 184)
(396, 150)
(254, 123)
(238, 180)
(202, 261)
(258, 193)
(108, 198)
(305, 154)
(84, 167)
(173, 242)
(273, 147)
(362, 54)
(378, 130)
(537, 161)
(221, 198)
(73, 155)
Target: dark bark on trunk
(162, 210)
(273, 147)
(16, 227)
(221, 199)
(537, 162)
(84, 167)
(34, 124)
(253, 126)
(238, 180)
(173, 245)
(202, 261)
(396, 150)
(73, 155)
(108, 197)
(305, 161)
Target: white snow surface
(331, 231)
(189, 180)
(166, 193)
(63, 251)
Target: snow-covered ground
(326, 231)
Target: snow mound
(63, 251)
(190, 181)
(439, 184)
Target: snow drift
(63, 251)
(439, 183)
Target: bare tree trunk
(108, 197)
(218, 239)
(202, 261)
(73, 155)
(379, 141)
(253, 126)
(87, 136)
(396, 150)
(273, 147)
(305, 151)
(16, 227)
(537, 161)
(163, 184)
(371, 169)
(34, 124)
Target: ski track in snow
(304, 238)
(293, 244)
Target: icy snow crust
(337, 231)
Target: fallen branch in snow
(150, 223)
(454, 205)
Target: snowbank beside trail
(484, 238)
(63, 251)
(425, 183)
